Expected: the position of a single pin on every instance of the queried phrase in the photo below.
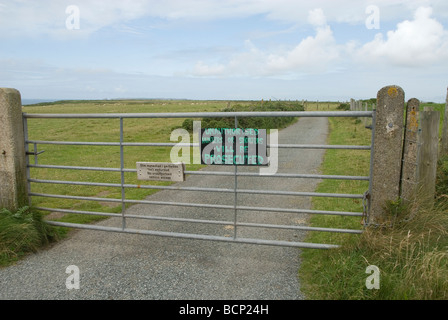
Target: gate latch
(29, 153)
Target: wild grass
(22, 232)
(411, 252)
(412, 255)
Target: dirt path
(127, 266)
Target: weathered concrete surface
(409, 171)
(428, 156)
(388, 146)
(13, 186)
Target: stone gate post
(387, 151)
(13, 181)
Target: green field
(101, 130)
(108, 130)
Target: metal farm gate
(234, 208)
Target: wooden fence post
(428, 156)
(387, 151)
(13, 182)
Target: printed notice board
(234, 146)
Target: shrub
(343, 106)
(251, 122)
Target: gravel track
(129, 266)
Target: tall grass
(411, 252)
(21, 232)
(412, 255)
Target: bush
(188, 125)
(251, 122)
(343, 106)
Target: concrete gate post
(13, 181)
(387, 151)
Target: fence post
(410, 151)
(365, 119)
(428, 156)
(444, 149)
(387, 151)
(13, 181)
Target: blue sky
(223, 49)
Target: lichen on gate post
(13, 181)
(387, 151)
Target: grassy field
(102, 130)
(107, 130)
(412, 256)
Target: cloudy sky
(223, 49)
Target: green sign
(227, 146)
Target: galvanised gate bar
(231, 206)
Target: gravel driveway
(127, 266)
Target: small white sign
(160, 171)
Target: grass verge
(411, 254)
(22, 232)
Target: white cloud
(317, 17)
(202, 69)
(47, 17)
(311, 55)
(422, 41)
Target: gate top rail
(367, 114)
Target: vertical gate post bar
(372, 154)
(236, 188)
(428, 148)
(35, 153)
(410, 152)
(444, 146)
(123, 208)
(27, 158)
